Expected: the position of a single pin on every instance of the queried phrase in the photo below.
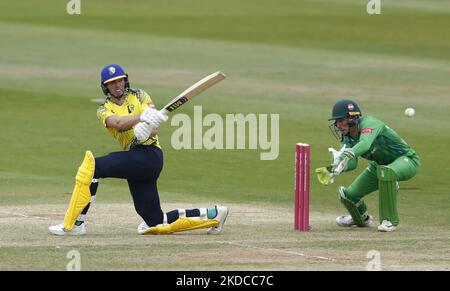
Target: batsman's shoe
(347, 220)
(222, 214)
(143, 228)
(59, 230)
(386, 226)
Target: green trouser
(403, 167)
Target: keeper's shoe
(347, 220)
(386, 226)
(59, 230)
(222, 214)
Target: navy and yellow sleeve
(145, 101)
(103, 113)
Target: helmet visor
(114, 78)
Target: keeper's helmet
(110, 73)
(345, 108)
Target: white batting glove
(153, 117)
(142, 131)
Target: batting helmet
(110, 73)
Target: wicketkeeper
(132, 119)
(392, 160)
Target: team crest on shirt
(112, 70)
(130, 108)
(366, 130)
(350, 107)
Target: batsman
(391, 160)
(130, 116)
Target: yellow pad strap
(81, 195)
(182, 224)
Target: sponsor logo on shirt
(366, 130)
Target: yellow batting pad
(182, 224)
(81, 195)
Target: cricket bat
(193, 91)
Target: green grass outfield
(293, 58)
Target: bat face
(194, 90)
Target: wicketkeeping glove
(336, 154)
(347, 153)
(324, 176)
(341, 167)
(327, 175)
(153, 117)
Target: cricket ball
(409, 112)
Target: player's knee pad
(386, 174)
(81, 195)
(351, 207)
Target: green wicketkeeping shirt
(377, 142)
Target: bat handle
(164, 111)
